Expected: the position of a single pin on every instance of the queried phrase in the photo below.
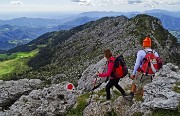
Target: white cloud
(83, 2)
(16, 3)
(134, 1)
(146, 3)
(75, 0)
(86, 2)
(156, 3)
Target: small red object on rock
(70, 87)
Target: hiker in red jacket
(113, 81)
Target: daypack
(120, 69)
(151, 64)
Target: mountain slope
(120, 34)
(71, 52)
(11, 36)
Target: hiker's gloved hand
(97, 73)
(132, 77)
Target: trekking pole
(94, 86)
(93, 89)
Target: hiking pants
(113, 82)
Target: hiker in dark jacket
(113, 81)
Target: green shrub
(162, 112)
(176, 88)
(111, 113)
(138, 114)
(81, 104)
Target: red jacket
(110, 68)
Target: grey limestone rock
(10, 91)
(55, 100)
(88, 79)
(160, 93)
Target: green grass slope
(15, 64)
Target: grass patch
(111, 113)
(138, 114)
(116, 92)
(115, 95)
(162, 112)
(81, 104)
(101, 92)
(177, 87)
(15, 63)
(138, 98)
(7, 57)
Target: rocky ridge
(162, 93)
(84, 45)
(121, 35)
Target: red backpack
(151, 64)
(120, 69)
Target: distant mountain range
(21, 33)
(176, 34)
(11, 36)
(170, 20)
(164, 12)
(33, 22)
(48, 23)
(22, 30)
(2, 51)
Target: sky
(78, 6)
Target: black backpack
(120, 69)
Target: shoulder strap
(110, 61)
(154, 51)
(146, 51)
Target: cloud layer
(146, 3)
(16, 3)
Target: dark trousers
(113, 82)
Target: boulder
(55, 100)
(10, 91)
(88, 79)
(160, 93)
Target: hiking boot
(124, 95)
(128, 97)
